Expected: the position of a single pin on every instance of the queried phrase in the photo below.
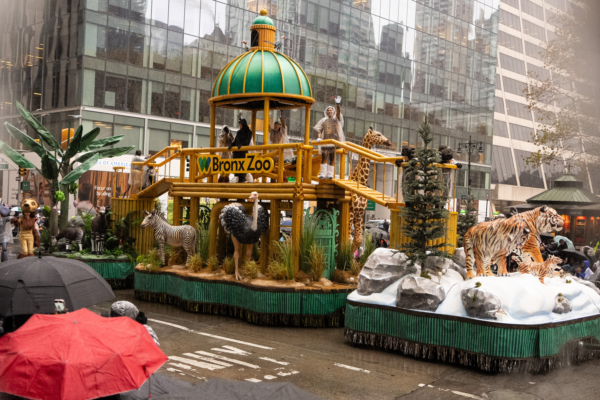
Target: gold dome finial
(263, 12)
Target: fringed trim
(333, 320)
(119, 284)
(569, 354)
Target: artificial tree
(467, 219)
(425, 196)
(58, 166)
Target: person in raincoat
(330, 127)
(278, 135)
(135, 177)
(127, 309)
(242, 138)
(6, 229)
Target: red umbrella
(79, 355)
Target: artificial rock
(419, 294)
(561, 305)
(480, 303)
(383, 267)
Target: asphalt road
(201, 346)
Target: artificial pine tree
(466, 220)
(425, 196)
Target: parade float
(242, 265)
(428, 305)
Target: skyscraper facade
(525, 26)
(145, 68)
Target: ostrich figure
(244, 229)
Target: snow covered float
(505, 324)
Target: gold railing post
(254, 127)
(280, 166)
(182, 167)
(343, 164)
(299, 166)
(383, 186)
(307, 125)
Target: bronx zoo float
(533, 320)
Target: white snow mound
(525, 300)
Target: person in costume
(242, 138)
(330, 127)
(28, 234)
(278, 135)
(6, 228)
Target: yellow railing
(342, 148)
(397, 237)
(301, 170)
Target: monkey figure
(28, 234)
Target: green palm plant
(60, 167)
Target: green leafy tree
(61, 168)
(565, 96)
(425, 196)
(466, 220)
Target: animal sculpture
(5, 230)
(28, 234)
(408, 153)
(493, 241)
(98, 230)
(244, 229)
(73, 233)
(540, 220)
(361, 175)
(543, 269)
(447, 154)
(178, 236)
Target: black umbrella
(216, 388)
(573, 254)
(30, 285)
(162, 387)
(546, 236)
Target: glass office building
(145, 68)
(525, 26)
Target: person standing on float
(330, 127)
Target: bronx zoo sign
(253, 163)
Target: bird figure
(244, 229)
(278, 44)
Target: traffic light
(22, 171)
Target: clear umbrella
(567, 241)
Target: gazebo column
(307, 125)
(213, 109)
(308, 153)
(254, 126)
(266, 124)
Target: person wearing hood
(135, 177)
(278, 135)
(128, 309)
(242, 138)
(225, 139)
(330, 127)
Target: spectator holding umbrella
(128, 309)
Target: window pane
(139, 43)
(192, 17)
(136, 93)
(116, 89)
(158, 54)
(176, 12)
(160, 13)
(133, 131)
(172, 101)
(156, 98)
(117, 34)
(174, 52)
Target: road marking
(287, 373)
(212, 360)
(270, 377)
(470, 396)
(232, 360)
(198, 364)
(209, 335)
(182, 366)
(275, 361)
(173, 370)
(352, 368)
(421, 384)
(231, 350)
(253, 380)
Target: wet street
(201, 346)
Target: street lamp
(470, 148)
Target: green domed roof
(263, 19)
(263, 72)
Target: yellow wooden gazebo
(261, 79)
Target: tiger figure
(540, 220)
(546, 268)
(493, 241)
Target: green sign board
(370, 205)
(3, 166)
(25, 185)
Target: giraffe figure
(361, 175)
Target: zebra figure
(164, 232)
(73, 233)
